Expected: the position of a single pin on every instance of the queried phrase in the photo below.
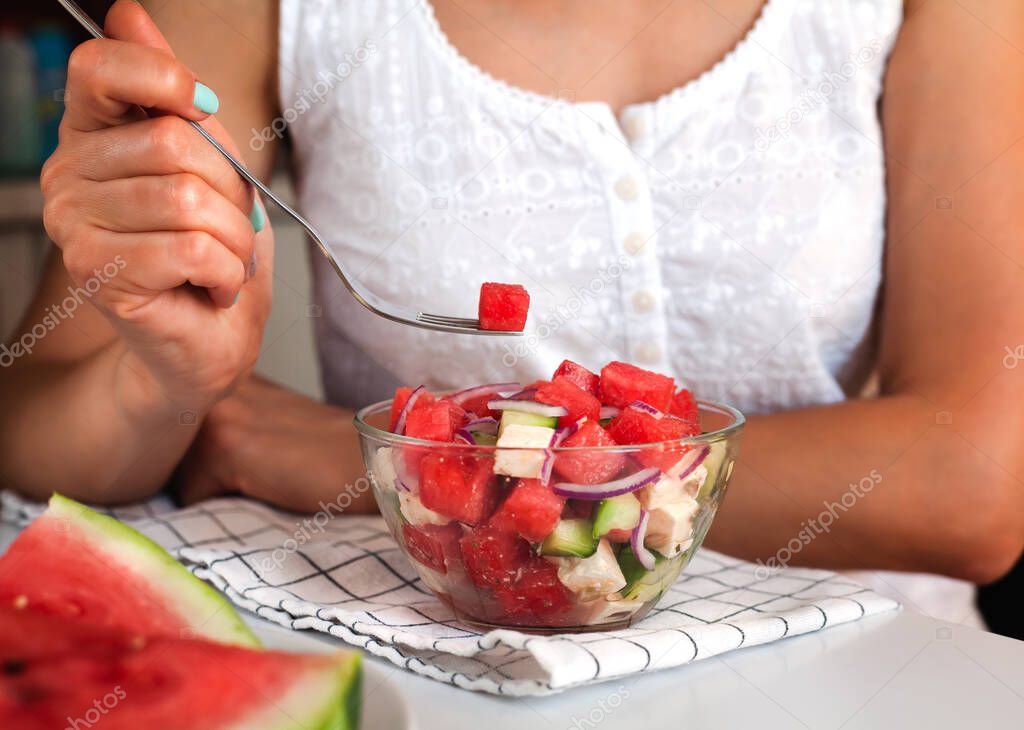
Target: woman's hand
(143, 207)
(276, 446)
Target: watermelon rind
(205, 611)
(327, 698)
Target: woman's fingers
(181, 202)
(108, 78)
(141, 265)
(161, 146)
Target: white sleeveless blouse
(729, 233)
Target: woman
(734, 222)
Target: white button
(634, 126)
(643, 302)
(649, 353)
(626, 188)
(635, 244)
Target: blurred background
(36, 38)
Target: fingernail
(251, 271)
(205, 100)
(236, 298)
(257, 217)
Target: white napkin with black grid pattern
(346, 577)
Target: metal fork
(368, 299)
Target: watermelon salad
(571, 502)
(100, 625)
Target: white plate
(383, 706)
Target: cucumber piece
(525, 419)
(485, 439)
(616, 513)
(572, 538)
(642, 584)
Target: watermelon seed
(12, 667)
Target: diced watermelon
(531, 509)
(459, 487)
(503, 307)
(494, 557)
(434, 422)
(478, 406)
(622, 384)
(435, 546)
(401, 396)
(537, 596)
(684, 406)
(589, 467)
(563, 392)
(579, 375)
(634, 426)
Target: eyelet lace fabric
(729, 233)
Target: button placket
(635, 244)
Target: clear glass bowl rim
(723, 434)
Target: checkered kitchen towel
(347, 578)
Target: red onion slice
(636, 542)
(484, 425)
(463, 395)
(560, 435)
(464, 435)
(528, 406)
(523, 394)
(639, 405)
(402, 414)
(609, 412)
(693, 459)
(625, 485)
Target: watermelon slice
(435, 546)
(579, 375)
(622, 384)
(503, 307)
(563, 392)
(537, 596)
(494, 557)
(684, 406)
(401, 397)
(589, 467)
(434, 422)
(459, 487)
(66, 673)
(635, 426)
(74, 563)
(531, 509)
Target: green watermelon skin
(56, 672)
(75, 563)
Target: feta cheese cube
(416, 513)
(670, 527)
(610, 609)
(593, 577)
(669, 488)
(382, 473)
(521, 462)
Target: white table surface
(898, 670)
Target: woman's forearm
(890, 483)
(91, 429)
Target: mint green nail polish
(257, 217)
(236, 298)
(205, 100)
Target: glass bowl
(469, 548)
